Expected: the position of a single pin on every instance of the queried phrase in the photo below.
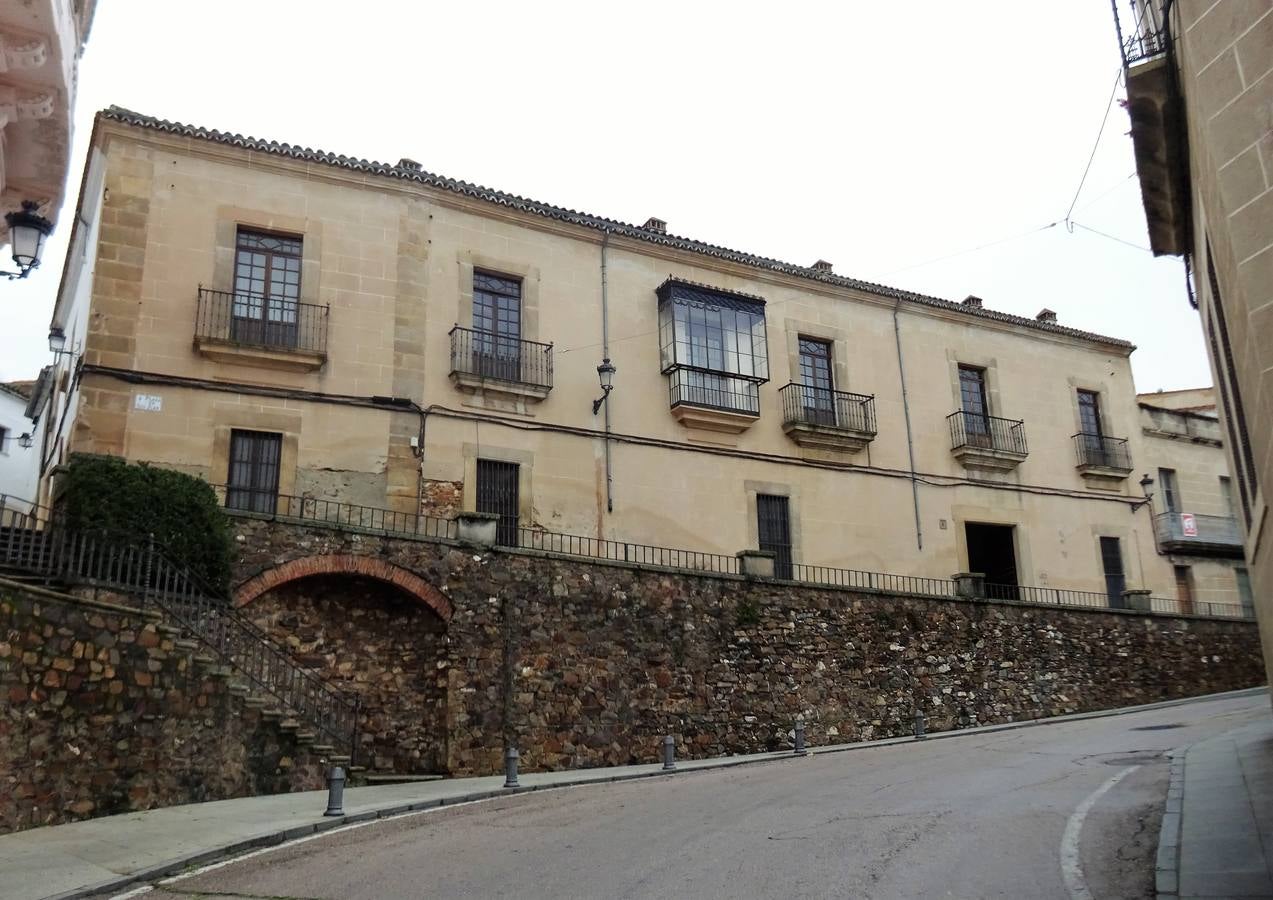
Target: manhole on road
(1166, 727)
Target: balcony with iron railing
(1198, 535)
(987, 442)
(489, 362)
(715, 401)
(825, 419)
(1104, 462)
(236, 326)
(260, 330)
(1156, 109)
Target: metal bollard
(510, 767)
(336, 792)
(669, 753)
(919, 725)
(800, 750)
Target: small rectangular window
(4, 440)
(252, 482)
(497, 492)
(1170, 493)
(1112, 563)
(773, 521)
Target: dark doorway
(1112, 563)
(991, 552)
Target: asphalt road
(992, 815)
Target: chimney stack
(824, 267)
(972, 302)
(658, 226)
(407, 163)
(1046, 315)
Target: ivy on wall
(132, 501)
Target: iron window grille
(252, 483)
(714, 346)
(773, 525)
(497, 492)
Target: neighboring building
(19, 464)
(309, 329)
(1199, 90)
(1195, 520)
(40, 46)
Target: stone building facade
(1199, 91)
(322, 334)
(1196, 526)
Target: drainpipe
(605, 354)
(906, 411)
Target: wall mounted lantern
(1145, 484)
(57, 341)
(27, 231)
(26, 441)
(605, 373)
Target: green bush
(134, 501)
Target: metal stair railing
(36, 542)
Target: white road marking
(1071, 869)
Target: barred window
(252, 483)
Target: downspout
(906, 411)
(605, 354)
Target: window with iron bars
(773, 521)
(497, 492)
(252, 482)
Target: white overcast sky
(889, 138)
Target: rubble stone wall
(589, 664)
(103, 712)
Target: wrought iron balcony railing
(825, 408)
(1142, 27)
(1099, 450)
(982, 432)
(256, 320)
(713, 390)
(489, 356)
(1206, 535)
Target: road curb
(1167, 864)
(179, 864)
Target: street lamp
(57, 341)
(1145, 484)
(27, 231)
(26, 441)
(605, 373)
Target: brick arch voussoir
(345, 564)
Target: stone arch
(346, 564)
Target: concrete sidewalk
(113, 852)
(1217, 834)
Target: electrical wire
(1111, 237)
(1091, 156)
